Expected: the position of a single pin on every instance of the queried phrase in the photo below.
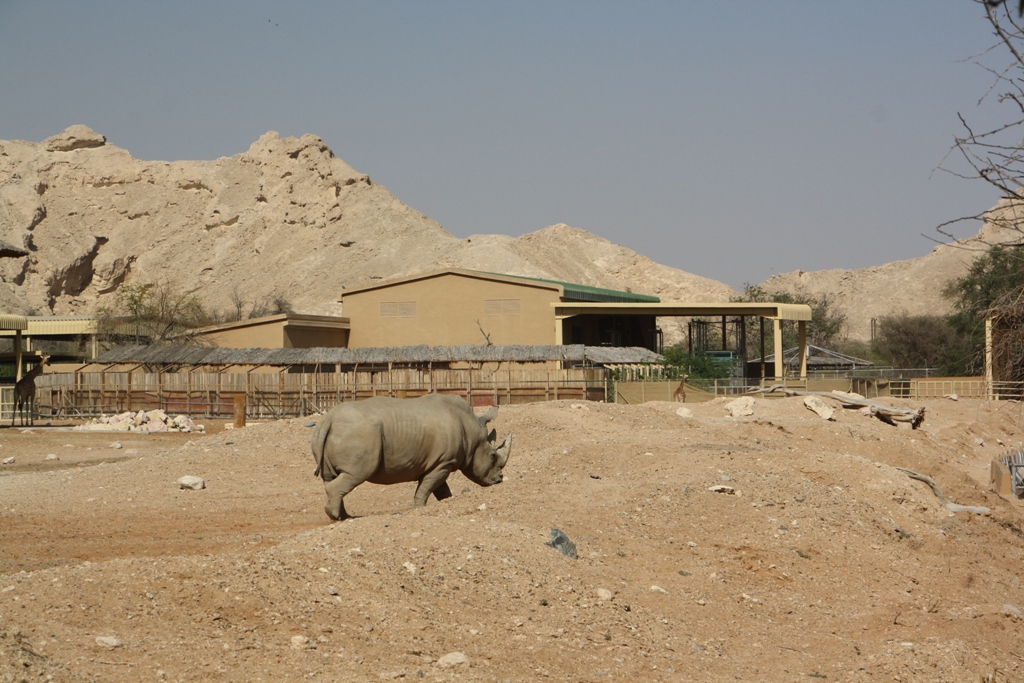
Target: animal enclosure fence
(284, 394)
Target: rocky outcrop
(74, 137)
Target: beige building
(281, 331)
(465, 307)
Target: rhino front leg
(432, 482)
(442, 491)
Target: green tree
(826, 328)
(151, 313)
(921, 341)
(698, 365)
(993, 286)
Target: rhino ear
(492, 436)
(491, 413)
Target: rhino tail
(323, 428)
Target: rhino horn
(491, 413)
(504, 449)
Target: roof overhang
(12, 323)
(777, 311)
(54, 326)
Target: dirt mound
(824, 561)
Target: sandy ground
(825, 563)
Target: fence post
(239, 411)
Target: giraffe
(25, 392)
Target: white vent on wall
(503, 306)
(398, 309)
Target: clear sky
(734, 140)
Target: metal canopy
(801, 313)
(777, 311)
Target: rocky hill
(913, 286)
(285, 219)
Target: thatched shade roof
(199, 355)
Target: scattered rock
(8, 461)
(684, 412)
(482, 507)
(824, 410)
(109, 642)
(659, 589)
(604, 594)
(331, 590)
(152, 421)
(191, 482)
(116, 444)
(453, 659)
(52, 456)
(310, 424)
(410, 567)
(721, 488)
(595, 476)
(741, 407)
(299, 642)
(560, 542)
(951, 397)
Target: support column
(17, 355)
(780, 367)
(801, 332)
(760, 320)
(989, 370)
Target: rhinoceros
(391, 440)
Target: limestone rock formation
(286, 218)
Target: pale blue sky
(732, 140)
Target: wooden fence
(211, 394)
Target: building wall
(310, 337)
(445, 311)
(268, 335)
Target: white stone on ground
(742, 406)
(191, 482)
(824, 410)
(453, 659)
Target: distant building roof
(567, 290)
(56, 325)
(291, 319)
(203, 355)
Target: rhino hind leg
(336, 490)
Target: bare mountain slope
(285, 218)
(913, 286)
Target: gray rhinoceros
(390, 440)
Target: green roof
(575, 292)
